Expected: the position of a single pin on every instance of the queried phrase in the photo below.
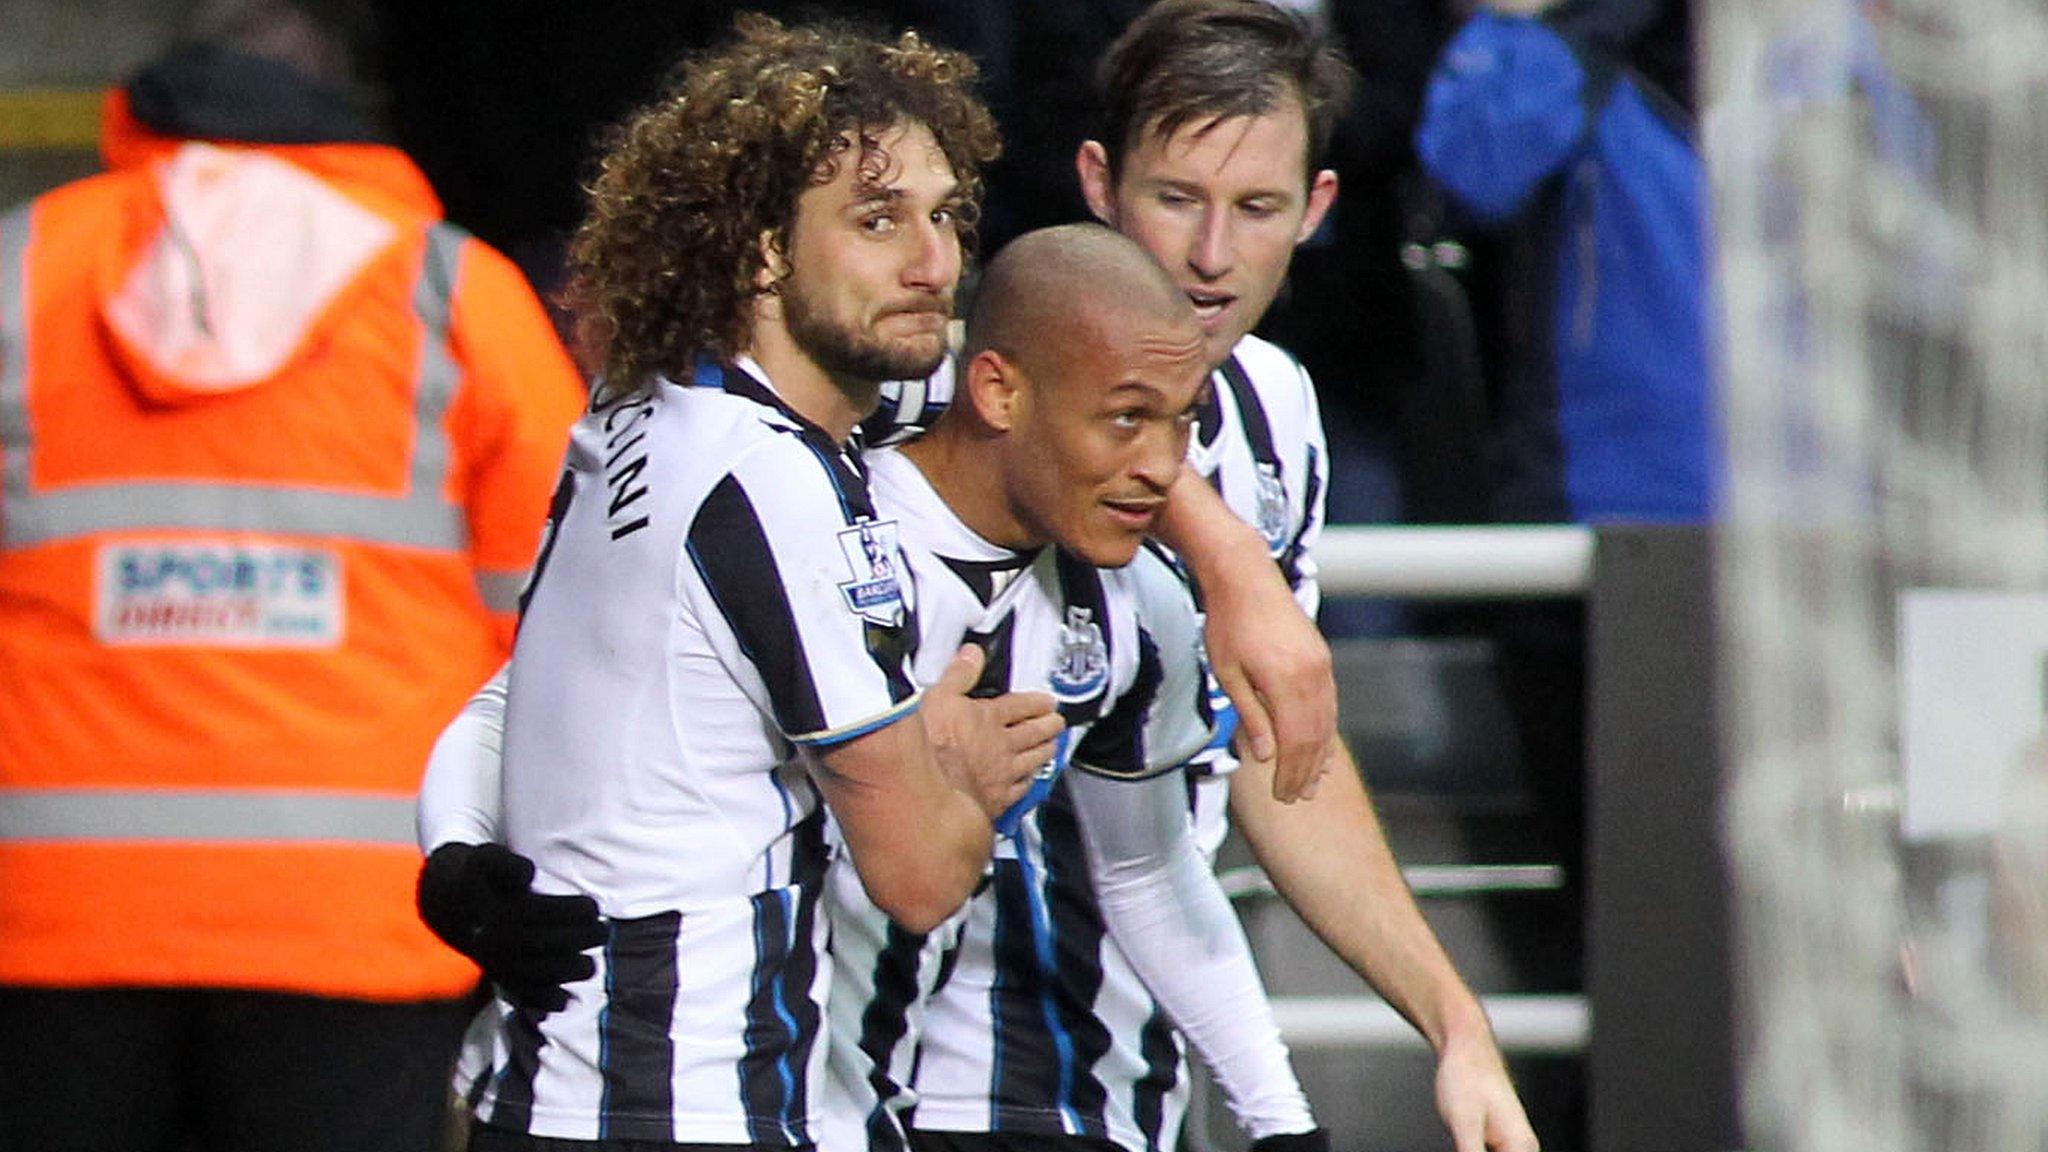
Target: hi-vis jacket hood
(241, 166)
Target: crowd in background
(1422, 316)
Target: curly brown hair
(667, 264)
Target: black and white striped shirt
(1109, 1062)
(716, 594)
(1134, 698)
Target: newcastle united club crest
(1080, 671)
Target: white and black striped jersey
(908, 408)
(1116, 1068)
(1132, 691)
(715, 598)
(1259, 442)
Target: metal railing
(1494, 562)
(1525, 1024)
(1425, 880)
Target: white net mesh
(1880, 178)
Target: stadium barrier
(1658, 952)
(1439, 563)
(1494, 562)
(1540, 1025)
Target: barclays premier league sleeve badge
(874, 594)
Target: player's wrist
(1462, 1030)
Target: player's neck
(963, 472)
(832, 402)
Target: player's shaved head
(1078, 383)
(1052, 290)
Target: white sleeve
(459, 798)
(805, 591)
(1163, 907)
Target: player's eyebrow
(892, 193)
(1163, 347)
(1197, 190)
(1123, 389)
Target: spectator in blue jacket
(1542, 122)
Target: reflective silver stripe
(224, 815)
(501, 590)
(15, 434)
(80, 511)
(432, 296)
(419, 518)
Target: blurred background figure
(1566, 129)
(1559, 137)
(275, 449)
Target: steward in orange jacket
(276, 443)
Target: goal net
(1880, 179)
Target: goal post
(1880, 193)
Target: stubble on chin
(864, 356)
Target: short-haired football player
(1071, 440)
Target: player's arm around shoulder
(1266, 652)
(918, 843)
(916, 833)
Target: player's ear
(994, 386)
(1322, 192)
(774, 263)
(1098, 188)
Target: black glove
(1313, 1140)
(479, 899)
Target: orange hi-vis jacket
(276, 445)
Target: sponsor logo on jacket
(218, 594)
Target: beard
(846, 352)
